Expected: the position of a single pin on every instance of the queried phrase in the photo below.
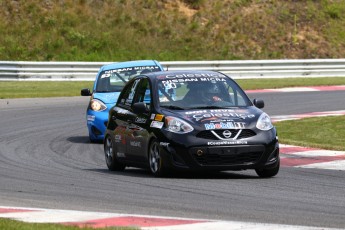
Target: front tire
(92, 140)
(270, 172)
(156, 162)
(110, 156)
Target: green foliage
(93, 30)
(196, 4)
(334, 11)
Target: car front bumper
(96, 124)
(254, 153)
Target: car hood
(237, 118)
(107, 98)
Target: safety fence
(246, 69)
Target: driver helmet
(213, 92)
(207, 91)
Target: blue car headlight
(176, 125)
(264, 122)
(97, 105)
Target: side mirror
(259, 103)
(140, 107)
(85, 92)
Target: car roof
(117, 65)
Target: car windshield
(199, 92)
(113, 80)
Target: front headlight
(176, 125)
(264, 122)
(97, 105)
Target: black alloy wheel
(110, 156)
(156, 162)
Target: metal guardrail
(86, 71)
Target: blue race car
(109, 82)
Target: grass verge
(275, 83)
(317, 132)
(32, 89)
(9, 224)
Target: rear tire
(110, 156)
(156, 162)
(270, 172)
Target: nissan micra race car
(189, 120)
(108, 84)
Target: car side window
(144, 92)
(236, 97)
(126, 98)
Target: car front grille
(222, 156)
(210, 135)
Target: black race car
(189, 120)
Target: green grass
(289, 82)
(319, 132)
(27, 89)
(32, 89)
(8, 224)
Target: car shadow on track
(81, 140)
(136, 172)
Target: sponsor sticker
(165, 144)
(196, 112)
(122, 111)
(119, 154)
(90, 118)
(108, 73)
(183, 80)
(215, 143)
(140, 120)
(156, 124)
(159, 117)
(135, 143)
(118, 138)
(221, 114)
(152, 116)
(225, 125)
(196, 75)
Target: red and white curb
(101, 219)
(302, 157)
(307, 115)
(299, 89)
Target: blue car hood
(107, 98)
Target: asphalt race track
(46, 161)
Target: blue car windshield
(199, 93)
(113, 80)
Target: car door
(122, 118)
(137, 141)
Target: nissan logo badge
(227, 134)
